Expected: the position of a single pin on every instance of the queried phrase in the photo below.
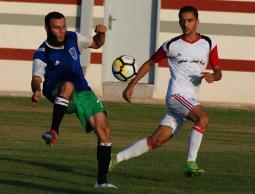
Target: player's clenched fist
(100, 28)
(208, 77)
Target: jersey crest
(73, 53)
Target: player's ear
(198, 21)
(180, 23)
(46, 28)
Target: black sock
(103, 158)
(59, 110)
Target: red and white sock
(138, 148)
(195, 140)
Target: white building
(137, 28)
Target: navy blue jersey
(59, 64)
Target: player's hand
(100, 28)
(127, 93)
(36, 97)
(208, 77)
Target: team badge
(73, 53)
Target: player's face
(58, 29)
(188, 23)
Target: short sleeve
(83, 41)
(158, 55)
(38, 68)
(165, 46)
(213, 55)
(39, 62)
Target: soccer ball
(124, 68)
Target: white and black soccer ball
(124, 68)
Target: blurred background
(136, 28)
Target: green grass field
(27, 165)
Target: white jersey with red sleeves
(187, 61)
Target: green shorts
(85, 104)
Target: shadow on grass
(139, 177)
(53, 167)
(47, 178)
(29, 185)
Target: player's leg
(188, 107)
(91, 114)
(100, 125)
(201, 119)
(161, 135)
(170, 125)
(61, 102)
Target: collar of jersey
(191, 42)
(53, 47)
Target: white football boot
(105, 185)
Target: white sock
(138, 148)
(194, 144)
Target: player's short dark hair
(52, 15)
(188, 8)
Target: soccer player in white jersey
(188, 56)
(57, 64)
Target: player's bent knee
(105, 129)
(204, 121)
(155, 143)
(103, 134)
(67, 89)
(68, 85)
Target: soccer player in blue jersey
(57, 62)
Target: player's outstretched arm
(99, 38)
(145, 68)
(36, 89)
